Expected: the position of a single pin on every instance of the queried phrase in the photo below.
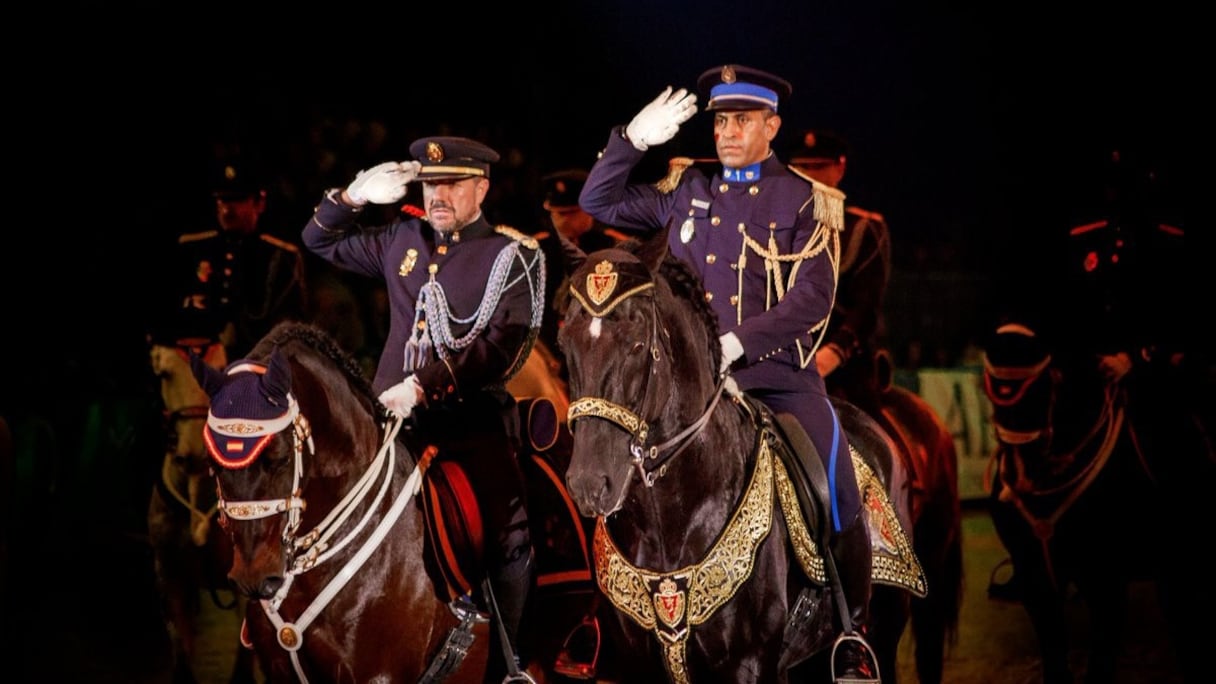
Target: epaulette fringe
(522, 238)
(675, 169)
(280, 243)
(829, 205)
(195, 237)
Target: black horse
(1087, 496)
(701, 543)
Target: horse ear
(210, 379)
(277, 379)
(653, 251)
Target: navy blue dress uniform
(465, 307)
(236, 282)
(765, 241)
(865, 270)
(732, 227)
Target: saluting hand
(382, 184)
(659, 121)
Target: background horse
(190, 553)
(1082, 500)
(926, 448)
(329, 536)
(714, 573)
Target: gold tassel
(829, 205)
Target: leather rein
(318, 545)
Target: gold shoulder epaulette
(829, 205)
(829, 201)
(675, 169)
(280, 243)
(525, 240)
(195, 237)
(616, 234)
(863, 213)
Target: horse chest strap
(671, 603)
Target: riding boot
(853, 661)
(511, 586)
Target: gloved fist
(402, 397)
(383, 183)
(732, 349)
(658, 121)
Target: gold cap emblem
(602, 283)
(434, 152)
(728, 74)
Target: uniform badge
(728, 74)
(602, 283)
(408, 263)
(687, 229)
(669, 603)
(434, 152)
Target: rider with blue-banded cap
(466, 299)
(765, 243)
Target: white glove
(383, 183)
(732, 349)
(658, 121)
(402, 397)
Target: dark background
(980, 131)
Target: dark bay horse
(190, 553)
(1087, 495)
(926, 447)
(701, 544)
(328, 514)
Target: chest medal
(686, 230)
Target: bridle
(1041, 504)
(318, 545)
(650, 460)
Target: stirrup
(588, 631)
(869, 653)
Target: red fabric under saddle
(454, 529)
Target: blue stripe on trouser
(832, 467)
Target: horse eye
(637, 348)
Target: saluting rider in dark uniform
(465, 301)
(765, 242)
(238, 280)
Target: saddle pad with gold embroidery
(894, 561)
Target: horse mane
(319, 341)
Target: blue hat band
(744, 91)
